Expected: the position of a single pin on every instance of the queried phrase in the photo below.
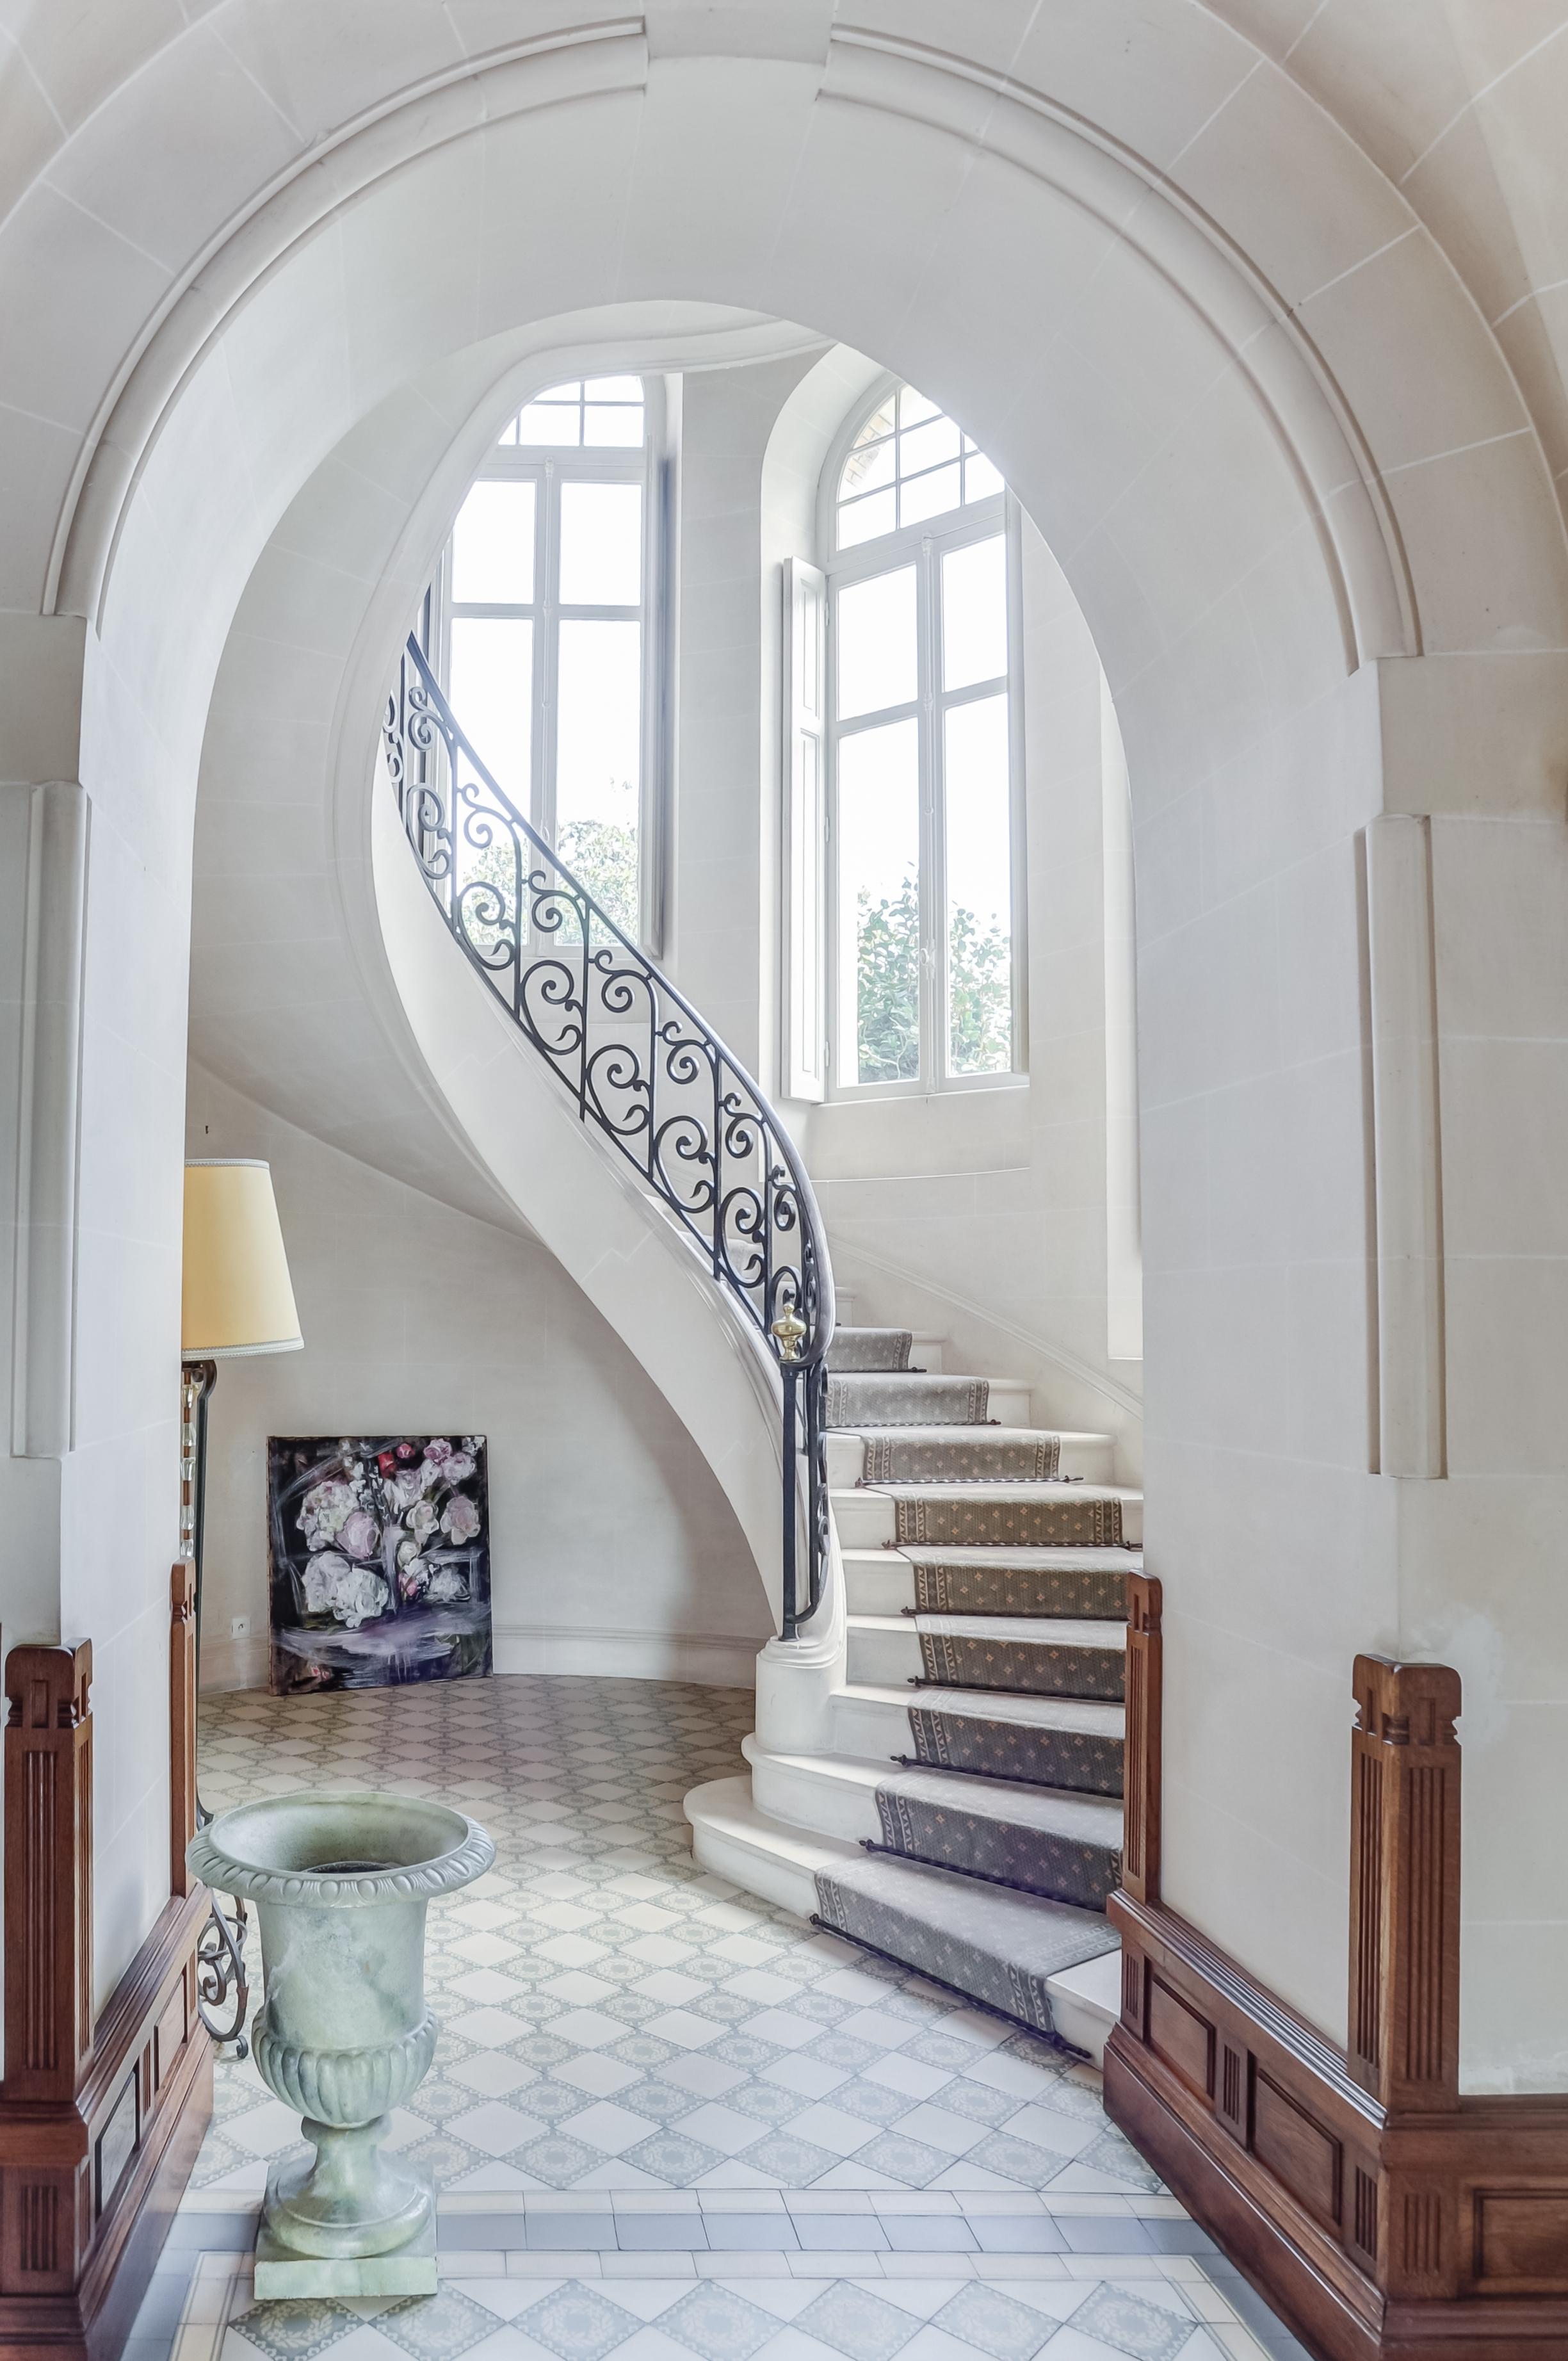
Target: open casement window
(806, 866)
(925, 867)
(550, 629)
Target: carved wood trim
(1404, 1892)
(182, 1721)
(1141, 1752)
(48, 1871)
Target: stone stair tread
(1008, 1493)
(1025, 1561)
(1055, 1811)
(1087, 1715)
(997, 1944)
(1028, 1631)
(992, 1433)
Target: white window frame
(548, 466)
(924, 545)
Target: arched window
(922, 748)
(551, 635)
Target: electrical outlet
(239, 1628)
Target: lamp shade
(237, 1294)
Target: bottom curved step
(1045, 1964)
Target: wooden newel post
(182, 1721)
(1404, 1892)
(48, 1871)
(1141, 1752)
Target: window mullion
(546, 661)
(932, 864)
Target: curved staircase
(964, 1816)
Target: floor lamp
(236, 1299)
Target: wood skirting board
(1384, 2216)
(100, 2119)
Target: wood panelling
(99, 2122)
(1141, 1752)
(1182, 2035)
(48, 1870)
(182, 1721)
(1379, 2212)
(1404, 1889)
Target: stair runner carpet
(994, 1880)
(862, 1349)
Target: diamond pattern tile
(611, 2016)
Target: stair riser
(885, 1659)
(988, 1847)
(827, 1807)
(1089, 1456)
(884, 1583)
(754, 1871)
(866, 1520)
(877, 1732)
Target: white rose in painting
(405, 1488)
(323, 1574)
(323, 1510)
(357, 1596)
(446, 1585)
(422, 1521)
(460, 1518)
(458, 1468)
(359, 1534)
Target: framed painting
(379, 1560)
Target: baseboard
(89, 2185)
(1438, 2238)
(235, 1663)
(705, 1659)
(560, 1647)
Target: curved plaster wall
(1225, 417)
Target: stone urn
(340, 1884)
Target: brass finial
(789, 1328)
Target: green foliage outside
(980, 991)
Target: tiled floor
(668, 2119)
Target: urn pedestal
(340, 1885)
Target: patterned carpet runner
(994, 1880)
(869, 1348)
(1021, 1582)
(981, 1939)
(1065, 1848)
(999, 1517)
(906, 1398)
(955, 1454)
(964, 1653)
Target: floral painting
(381, 1560)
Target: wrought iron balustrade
(641, 1066)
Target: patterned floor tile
(612, 2015)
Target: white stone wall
(613, 1548)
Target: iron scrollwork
(222, 1988)
(642, 1066)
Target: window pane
(979, 869)
(927, 446)
(974, 613)
(546, 421)
(928, 496)
(492, 696)
(492, 546)
(873, 626)
(913, 407)
(867, 468)
(617, 425)
(881, 422)
(598, 760)
(864, 519)
(602, 544)
(879, 905)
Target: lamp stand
(221, 1983)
